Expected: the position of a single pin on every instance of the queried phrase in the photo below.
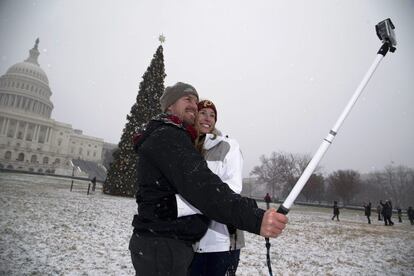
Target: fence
(73, 178)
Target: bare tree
(280, 171)
(269, 172)
(398, 184)
(314, 188)
(395, 183)
(371, 189)
(294, 168)
(344, 184)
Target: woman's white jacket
(224, 158)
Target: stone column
(7, 126)
(25, 131)
(35, 133)
(48, 134)
(3, 126)
(17, 129)
(15, 101)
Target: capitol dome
(29, 69)
(25, 87)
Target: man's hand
(273, 223)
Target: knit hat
(173, 93)
(207, 104)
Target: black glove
(166, 208)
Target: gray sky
(279, 72)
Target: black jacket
(336, 210)
(169, 164)
(367, 209)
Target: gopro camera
(385, 32)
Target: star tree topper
(161, 38)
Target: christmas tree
(121, 175)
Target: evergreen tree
(121, 175)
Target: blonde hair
(201, 137)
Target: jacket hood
(212, 140)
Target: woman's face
(206, 120)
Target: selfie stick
(385, 32)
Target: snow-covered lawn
(47, 230)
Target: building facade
(29, 138)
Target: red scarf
(169, 119)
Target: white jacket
(224, 158)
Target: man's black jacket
(169, 164)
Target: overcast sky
(279, 72)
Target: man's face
(185, 108)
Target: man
(267, 199)
(379, 211)
(399, 213)
(93, 183)
(387, 212)
(367, 208)
(169, 164)
(335, 211)
(410, 214)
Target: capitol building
(30, 139)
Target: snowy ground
(47, 230)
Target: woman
(335, 211)
(217, 253)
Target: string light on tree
(121, 178)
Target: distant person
(379, 211)
(367, 208)
(267, 199)
(383, 211)
(410, 214)
(335, 211)
(93, 183)
(387, 212)
(399, 213)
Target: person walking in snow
(267, 199)
(410, 214)
(387, 212)
(379, 211)
(335, 211)
(367, 208)
(93, 183)
(399, 213)
(167, 164)
(383, 211)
